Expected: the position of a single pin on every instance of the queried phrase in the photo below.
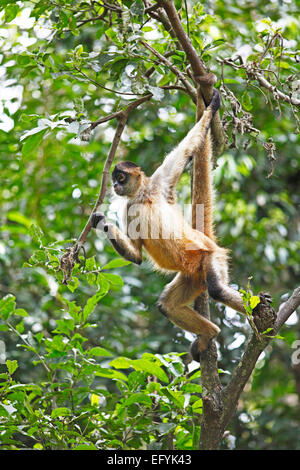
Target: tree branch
(157, 13)
(255, 347)
(286, 309)
(200, 72)
(210, 429)
(197, 64)
(240, 376)
(68, 259)
(189, 88)
(118, 114)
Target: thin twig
(94, 18)
(112, 7)
(99, 85)
(190, 89)
(187, 18)
(119, 113)
(256, 73)
(28, 345)
(197, 64)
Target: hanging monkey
(173, 245)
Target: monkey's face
(126, 179)
(120, 181)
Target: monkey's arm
(127, 248)
(176, 161)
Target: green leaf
(136, 379)
(79, 49)
(21, 219)
(36, 233)
(175, 397)
(254, 300)
(90, 264)
(191, 388)
(73, 283)
(196, 375)
(110, 373)
(7, 306)
(21, 312)
(138, 398)
(246, 101)
(74, 310)
(121, 363)
(114, 279)
(86, 447)
(116, 263)
(97, 351)
(38, 257)
(198, 405)
(11, 366)
(11, 12)
(38, 446)
(103, 283)
(146, 29)
(65, 326)
(20, 327)
(60, 412)
(141, 364)
(91, 279)
(91, 304)
(32, 142)
(111, 34)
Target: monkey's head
(127, 179)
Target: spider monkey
(199, 262)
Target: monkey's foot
(199, 345)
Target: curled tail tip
(215, 102)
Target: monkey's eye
(121, 178)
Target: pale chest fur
(169, 241)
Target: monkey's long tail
(203, 190)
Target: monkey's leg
(173, 303)
(221, 292)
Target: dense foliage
(92, 364)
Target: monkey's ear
(96, 218)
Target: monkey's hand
(99, 221)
